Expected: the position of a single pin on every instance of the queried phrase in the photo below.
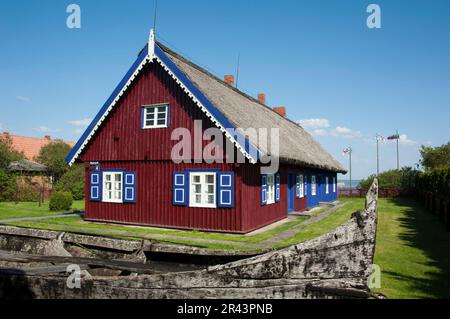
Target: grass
(31, 209)
(326, 225)
(413, 251)
(77, 221)
(77, 224)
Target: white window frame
(105, 195)
(334, 184)
(302, 185)
(155, 116)
(270, 189)
(203, 185)
(327, 185)
(306, 185)
(313, 185)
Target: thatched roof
(27, 166)
(296, 145)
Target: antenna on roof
(155, 15)
(237, 70)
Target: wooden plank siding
(153, 205)
(121, 137)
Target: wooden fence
(361, 192)
(438, 205)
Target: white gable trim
(207, 113)
(148, 59)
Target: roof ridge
(202, 69)
(36, 138)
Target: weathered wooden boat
(336, 265)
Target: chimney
(280, 110)
(229, 79)
(262, 98)
(48, 137)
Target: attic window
(155, 116)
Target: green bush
(8, 186)
(435, 180)
(61, 201)
(388, 179)
(26, 191)
(404, 179)
(72, 181)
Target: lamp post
(348, 151)
(378, 138)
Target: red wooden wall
(153, 205)
(121, 138)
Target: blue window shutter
(96, 186)
(277, 188)
(297, 186)
(225, 189)
(129, 187)
(263, 189)
(180, 189)
(168, 115)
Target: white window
(155, 116)
(270, 189)
(301, 187)
(327, 186)
(203, 190)
(112, 187)
(334, 184)
(313, 185)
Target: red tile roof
(31, 146)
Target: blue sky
(317, 58)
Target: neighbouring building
(132, 179)
(32, 175)
(31, 146)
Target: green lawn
(76, 223)
(413, 251)
(326, 225)
(31, 209)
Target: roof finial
(151, 43)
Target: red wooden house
(131, 176)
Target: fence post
(447, 205)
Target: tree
(72, 181)
(8, 185)
(7, 153)
(435, 157)
(53, 156)
(405, 179)
(388, 179)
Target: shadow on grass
(425, 232)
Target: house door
(290, 192)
